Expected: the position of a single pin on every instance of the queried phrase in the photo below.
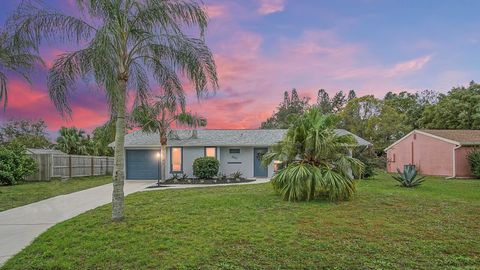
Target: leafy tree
(73, 141)
(15, 56)
(374, 120)
(158, 117)
(30, 134)
(287, 111)
(15, 164)
(125, 41)
(459, 109)
(102, 136)
(323, 101)
(318, 163)
(351, 95)
(338, 101)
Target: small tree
(205, 167)
(15, 164)
(158, 117)
(474, 160)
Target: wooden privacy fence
(67, 166)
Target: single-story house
(237, 150)
(434, 152)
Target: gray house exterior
(236, 150)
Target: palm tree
(158, 117)
(72, 141)
(125, 40)
(16, 57)
(317, 160)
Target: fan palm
(125, 41)
(15, 56)
(158, 117)
(72, 141)
(318, 160)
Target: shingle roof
(462, 136)
(217, 137)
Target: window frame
(181, 159)
(205, 151)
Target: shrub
(408, 178)
(371, 161)
(317, 158)
(205, 167)
(236, 175)
(15, 164)
(474, 160)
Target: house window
(211, 152)
(234, 151)
(176, 159)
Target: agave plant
(318, 160)
(408, 178)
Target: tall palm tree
(15, 56)
(158, 117)
(317, 160)
(125, 40)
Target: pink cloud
(271, 6)
(215, 11)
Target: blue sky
(264, 47)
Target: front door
(258, 169)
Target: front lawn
(435, 226)
(29, 192)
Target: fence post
(69, 166)
(92, 166)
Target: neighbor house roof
(460, 136)
(217, 137)
(463, 137)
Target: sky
(265, 47)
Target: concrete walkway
(20, 226)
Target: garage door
(141, 165)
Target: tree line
(382, 121)
(70, 140)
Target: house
(434, 152)
(237, 150)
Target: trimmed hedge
(205, 167)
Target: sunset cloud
(271, 6)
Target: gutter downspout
(454, 159)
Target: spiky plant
(123, 42)
(319, 163)
(16, 56)
(408, 178)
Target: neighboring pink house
(434, 152)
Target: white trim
(454, 159)
(423, 133)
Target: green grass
(434, 226)
(29, 192)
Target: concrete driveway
(20, 226)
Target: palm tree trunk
(163, 156)
(118, 171)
